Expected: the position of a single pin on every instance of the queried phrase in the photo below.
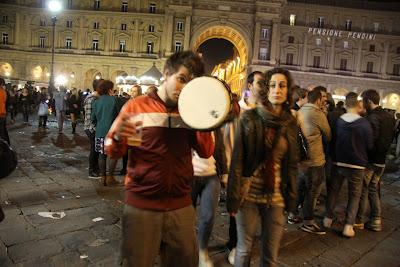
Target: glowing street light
(61, 80)
(55, 6)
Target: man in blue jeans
(207, 186)
(315, 127)
(353, 140)
(383, 130)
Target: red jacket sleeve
(204, 144)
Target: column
(275, 42)
(107, 37)
(168, 44)
(256, 44)
(186, 44)
(385, 60)
(332, 56)
(80, 35)
(305, 50)
(359, 58)
(135, 40)
(16, 29)
(106, 72)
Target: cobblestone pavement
(52, 177)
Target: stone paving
(52, 177)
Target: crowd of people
(277, 148)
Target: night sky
(216, 51)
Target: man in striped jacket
(158, 212)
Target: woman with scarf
(262, 177)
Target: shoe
(327, 222)
(231, 256)
(374, 225)
(348, 231)
(94, 175)
(110, 181)
(358, 226)
(312, 228)
(293, 218)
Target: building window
(68, 43)
(345, 44)
(4, 19)
(151, 28)
(376, 26)
(123, 27)
(95, 45)
(96, 25)
(291, 39)
(179, 26)
(321, 22)
(396, 69)
(289, 59)
(263, 54)
(122, 46)
(42, 41)
(292, 19)
(372, 48)
(370, 67)
(343, 64)
(152, 8)
(264, 33)
(149, 48)
(318, 41)
(42, 22)
(317, 62)
(178, 46)
(96, 5)
(5, 38)
(69, 23)
(348, 25)
(70, 4)
(124, 7)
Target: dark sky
(216, 51)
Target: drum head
(204, 103)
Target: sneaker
(327, 222)
(312, 228)
(374, 225)
(231, 256)
(358, 226)
(94, 175)
(293, 218)
(348, 231)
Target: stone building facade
(346, 46)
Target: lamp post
(55, 7)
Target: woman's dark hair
(104, 87)
(264, 94)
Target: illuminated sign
(342, 34)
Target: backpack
(8, 159)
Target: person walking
(383, 130)
(60, 105)
(314, 125)
(158, 215)
(262, 175)
(74, 104)
(353, 140)
(25, 102)
(3, 112)
(104, 112)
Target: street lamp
(55, 7)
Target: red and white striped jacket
(160, 171)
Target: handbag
(8, 159)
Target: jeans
(249, 217)
(301, 189)
(370, 194)
(60, 119)
(25, 113)
(207, 188)
(315, 176)
(354, 180)
(232, 242)
(93, 155)
(145, 232)
(42, 121)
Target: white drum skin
(204, 103)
